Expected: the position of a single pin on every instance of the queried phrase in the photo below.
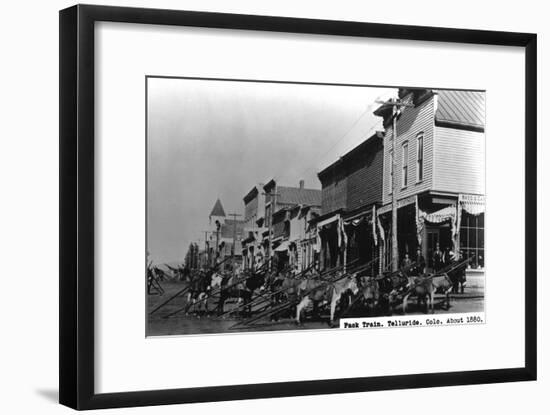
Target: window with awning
(471, 222)
(467, 219)
(283, 246)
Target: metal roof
(461, 108)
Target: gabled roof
(217, 210)
(461, 109)
(456, 108)
(298, 196)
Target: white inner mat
(127, 361)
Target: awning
(359, 217)
(282, 247)
(447, 213)
(365, 215)
(249, 238)
(400, 203)
(328, 221)
(473, 204)
(355, 222)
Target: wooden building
(351, 193)
(224, 238)
(285, 206)
(254, 212)
(302, 238)
(440, 175)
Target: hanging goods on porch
(446, 214)
(342, 236)
(419, 223)
(373, 223)
(380, 229)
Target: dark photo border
(77, 176)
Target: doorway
(437, 235)
(432, 239)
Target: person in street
(420, 267)
(459, 277)
(406, 261)
(158, 274)
(449, 257)
(438, 258)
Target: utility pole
(206, 250)
(197, 256)
(218, 226)
(234, 216)
(396, 106)
(272, 201)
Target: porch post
(419, 224)
(458, 220)
(344, 243)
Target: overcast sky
(210, 139)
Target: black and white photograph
(274, 207)
(293, 206)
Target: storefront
(310, 252)
(362, 236)
(281, 257)
(346, 238)
(450, 223)
(471, 225)
(454, 224)
(407, 240)
(436, 228)
(248, 251)
(303, 234)
(331, 238)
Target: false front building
(287, 237)
(254, 218)
(439, 179)
(351, 193)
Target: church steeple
(217, 210)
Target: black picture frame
(77, 172)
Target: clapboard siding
(355, 180)
(279, 228)
(411, 122)
(251, 210)
(364, 175)
(334, 193)
(459, 161)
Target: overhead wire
(319, 157)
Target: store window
(472, 238)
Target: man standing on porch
(438, 259)
(406, 261)
(420, 267)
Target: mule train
(357, 291)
